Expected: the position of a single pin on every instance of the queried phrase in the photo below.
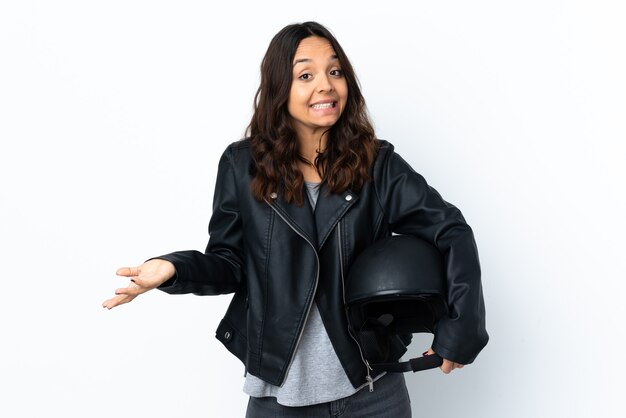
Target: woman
(294, 204)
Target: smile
(323, 105)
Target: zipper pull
(370, 382)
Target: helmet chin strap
(415, 364)
(378, 329)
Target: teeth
(323, 106)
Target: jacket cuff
(464, 352)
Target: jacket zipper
(370, 382)
(317, 275)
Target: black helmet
(396, 287)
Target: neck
(309, 147)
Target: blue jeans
(390, 398)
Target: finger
(116, 301)
(131, 290)
(141, 285)
(128, 271)
(111, 303)
(453, 366)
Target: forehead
(314, 47)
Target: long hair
(351, 145)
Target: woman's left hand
(447, 365)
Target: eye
(305, 76)
(336, 72)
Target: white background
(113, 116)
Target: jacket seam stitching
(265, 281)
(339, 217)
(375, 186)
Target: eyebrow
(304, 60)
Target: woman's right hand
(147, 276)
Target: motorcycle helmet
(396, 287)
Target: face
(319, 90)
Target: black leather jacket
(279, 258)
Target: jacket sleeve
(219, 269)
(412, 207)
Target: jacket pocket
(232, 328)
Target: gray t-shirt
(315, 375)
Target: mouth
(325, 105)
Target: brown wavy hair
(351, 145)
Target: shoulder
(383, 149)
(386, 153)
(387, 156)
(236, 159)
(384, 146)
(391, 170)
(237, 152)
(241, 146)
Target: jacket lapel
(299, 218)
(329, 209)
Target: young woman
(295, 203)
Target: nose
(325, 84)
